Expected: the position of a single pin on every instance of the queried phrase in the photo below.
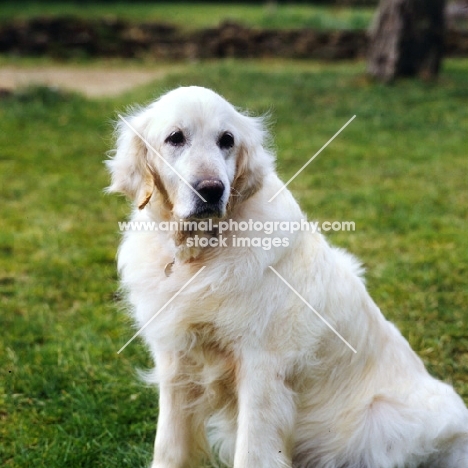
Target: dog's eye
(226, 141)
(176, 138)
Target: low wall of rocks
(67, 37)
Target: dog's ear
(128, 167)
(254, 161)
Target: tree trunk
(407, 39)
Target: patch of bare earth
(91, 82)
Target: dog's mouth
(207, 210)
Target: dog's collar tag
(168, 268)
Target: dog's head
(191, 153)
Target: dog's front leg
(267, 413)
(178, 441)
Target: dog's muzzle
(212, 190)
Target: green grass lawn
(399, 171)
(203, 14)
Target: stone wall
(66, 37)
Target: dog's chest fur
(210, 365)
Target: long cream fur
(244, 367)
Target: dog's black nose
(210, 189)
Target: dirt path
(92, 82)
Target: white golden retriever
(244, 366)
